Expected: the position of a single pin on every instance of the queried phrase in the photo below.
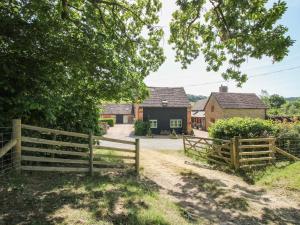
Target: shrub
(243, 127)
(110, 121)
(141, 127)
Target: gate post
(137, 155)
(235, 152)
(16, 134)
(272, 144)
(91, 153)
(183, 139)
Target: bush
(110, 121)
(141, 128)
(243, 127)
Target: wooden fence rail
(35, 154)
(238, 153)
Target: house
(198, 114)
(222, 105)
(122, 113)
(167, 109)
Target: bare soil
(215, 196)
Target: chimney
(164, 103)
(223, 89)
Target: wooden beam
(255, 159)
(255, 140)
(7, 147)
(50, 142)
(278, 150)
(53, 131)
(113, 148)
(113, 140)
(115, 156)
(55, 169)
(254, 146)
(137, 155)
(17, 133)
(54, 160)
(53, 151)
(256, 153)
(91, 153)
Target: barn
(122, 113)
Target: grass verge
(283, 175)
(53, 198)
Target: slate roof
(124, 109)
(174, 96)
(200, 114)
(199, 105)
(238, 100)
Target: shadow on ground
(213, 200)
(52, 198)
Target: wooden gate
(254, 152)
(238, 153)
(213, 150)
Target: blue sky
(196, 80)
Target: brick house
(122, 113)
(166, 109)
(198, 114)
(222, 105)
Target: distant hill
(194, 98)
(291, 99)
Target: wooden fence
(73, 152)
(238, 153)
(213, 150)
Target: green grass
(284, 175)
(57, 198)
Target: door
(119, 119)
(125, 119)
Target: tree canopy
(227, 32)
(59, 58)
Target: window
(153, 123)
(175, 123)
(212, 120)
(212, 108)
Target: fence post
(183, 138)
(16, 129)
(232, 152)
(91, 153)
(272, 144)
(235, 152)
(137, 155)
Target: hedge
(110, 121)
(243, 127)
(141, 127)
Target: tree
(228, 32)
(264, 96)
(60, 59)
(276, 101)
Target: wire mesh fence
(7, 161)
(290, 145)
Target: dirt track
(217, 197)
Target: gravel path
(125, 132)
(202, 192)
(216, 196)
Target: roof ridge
(242, 93)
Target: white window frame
(153, 123)
(175, 123)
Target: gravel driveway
(126, 132)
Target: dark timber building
(166, 109)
